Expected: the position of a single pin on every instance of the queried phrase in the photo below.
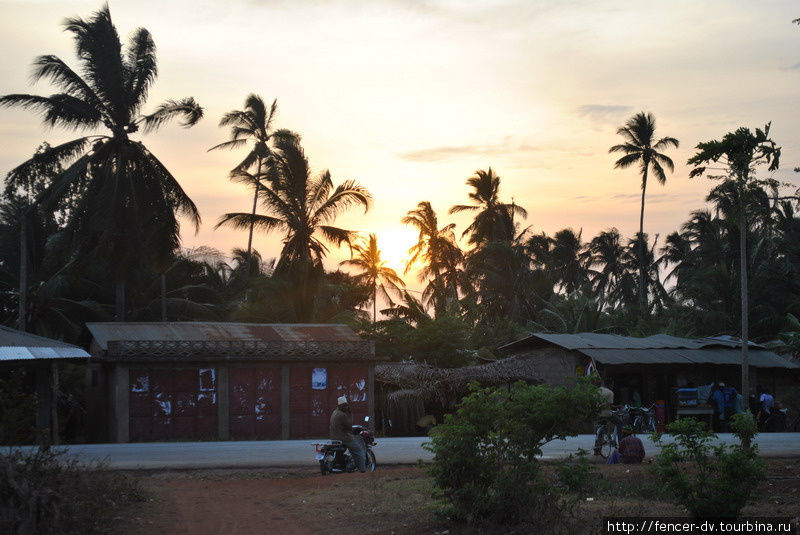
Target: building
(40, 356)
(225, 381)
(654, 366)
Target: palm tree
(437, 249)
(739, 152)
(374, 272)
(127, 199)
(303, 207)
(640, 147)
(494, 220)
(252, 125)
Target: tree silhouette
(127, 199)
(641, 148)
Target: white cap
(721, 383)
(342, 400)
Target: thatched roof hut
(408, 386)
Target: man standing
(341, 429)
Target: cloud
(795, 67)
(601, 112)
(506, 148)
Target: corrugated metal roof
(613, 341)
(757, 357)
(19, 345)
(219, 331)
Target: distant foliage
(49, 494)
(485, 466)
(710, 481)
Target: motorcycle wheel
(371, 462)
(325, 465)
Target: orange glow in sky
(410, 97)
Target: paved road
(282, 453)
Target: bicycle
(605, 438)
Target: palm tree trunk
(163, 297)
(252, 223)
(23, 271)
(642, 284)
(120, 301)
(375, 302)
(745, 315)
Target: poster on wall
(319, 378)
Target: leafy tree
(252, 126)
(128, 200)
(739, 152)
(640, 147)
(485, 464)
(373, 272)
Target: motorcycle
(334, 456)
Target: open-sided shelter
(19, 349)
(221, 381)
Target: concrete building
(224, 381)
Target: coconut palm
(128, 201)
(439, 253)
(302, 206)
(494, 220)
(252, 127)
(374, 272)
(640, 147)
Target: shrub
(710, 481)
(485, 463)
(576, 474)
(44, 492)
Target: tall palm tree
(252, 126)
(740, 151)
(374, 272)
(127, 199)
(640, 147)
(494, 220)
(303, 207)
(439, 253)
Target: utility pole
(22, 321)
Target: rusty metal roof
(19, 345)
(197, 331)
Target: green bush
(43, 492)
(576, 474)
(710, 481)
(485, 464)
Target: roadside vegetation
(47, 493)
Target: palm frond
(53, 68)
(242, 221)
(337, 235)
(462, 208)
(51, 157)
(141, 67)
(187, 108)
(59, 109)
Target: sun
(394, 243)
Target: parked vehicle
(644, 420)
(334, 456)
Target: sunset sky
(410, 97)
